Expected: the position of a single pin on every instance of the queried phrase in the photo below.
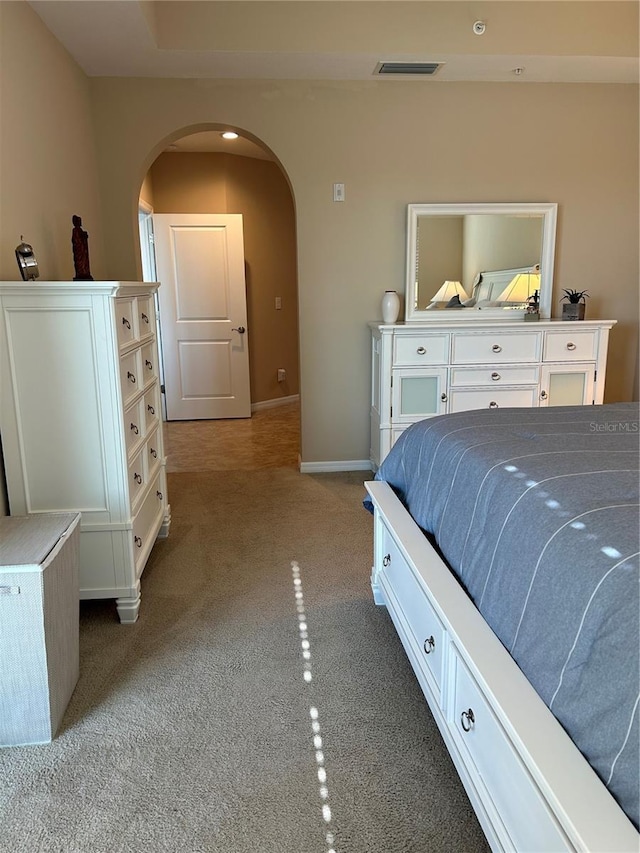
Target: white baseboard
(327, 467)
(271, 404)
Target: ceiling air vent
(423, 69)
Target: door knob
(241, 330)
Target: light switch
(338, 192)
(278, 303)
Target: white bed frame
(529, 785)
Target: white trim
(326, 467)
(272, 404)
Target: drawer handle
(138, 541)
(443, 397)
(153, 452)
(145, 318)
(495, 376)
(493, 405)
(429, 645)
(137, 478)
(126, 323)
(131, 377)
(571, 345)
(386, 560)
(159, 494)
(496, 348)
(467, 719)
(421, 351)
(543, 395)
(151, 410)
(149, 364)
(134, 429)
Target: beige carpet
(261, 704)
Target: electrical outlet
(278, 303)
(282, 374)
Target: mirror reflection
(491, 258)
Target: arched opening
(196, 173)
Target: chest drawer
(495, 347)
(149, 366)
(130, 375)
(412, 603)
(465, 376)
(125, 321)
(146, 524)
(573, 345)
(462, 400)
(417, 349)
(146, 316)
(134, 428)
(485, 744)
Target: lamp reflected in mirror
(450, 295)
(521, 288)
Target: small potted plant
(573, 308)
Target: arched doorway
(201, 173)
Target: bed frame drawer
(427, 630)
(485, 745)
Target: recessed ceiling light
(229, 134)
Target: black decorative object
(80, 244)
(27, 261)
(574, 308)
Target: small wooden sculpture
(80, 244)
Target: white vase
(390, 306)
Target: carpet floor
(261, 704)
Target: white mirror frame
(549, 214)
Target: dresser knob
(421, 351)
(151, 410)
(496, 348)
(126, 323)
(145, 318)
(543, 395)
(443, 397)
(138, 541)
(429, 645)
(571, 346)
(148, 364)
(137, 478)
(386, 560)
(467, 719)
(495, 376)
(134, 429)
(153, 452)
(131, 377)
(159, 495)
(493, 405)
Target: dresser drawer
(411, 601)
(495, 347)
(492, 398)
(125, 321)
(570, 345)
(485, 745)
(150, 406)
(465, 376)
(130, 375)
(146, 524)
(413, 350)
(146, 316)
(134, 426)
(137, 477)
(149, 365)
(152, 454)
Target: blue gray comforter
(537, 513)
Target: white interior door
(203, 315)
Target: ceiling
(524, 41)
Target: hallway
(270, 438)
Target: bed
(506, 551)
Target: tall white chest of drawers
(80, 422)
(425, 369)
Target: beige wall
(47, 152)
(386, 141)
(226, 183)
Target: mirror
(478, 261)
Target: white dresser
(80, 421)
(425, 369)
